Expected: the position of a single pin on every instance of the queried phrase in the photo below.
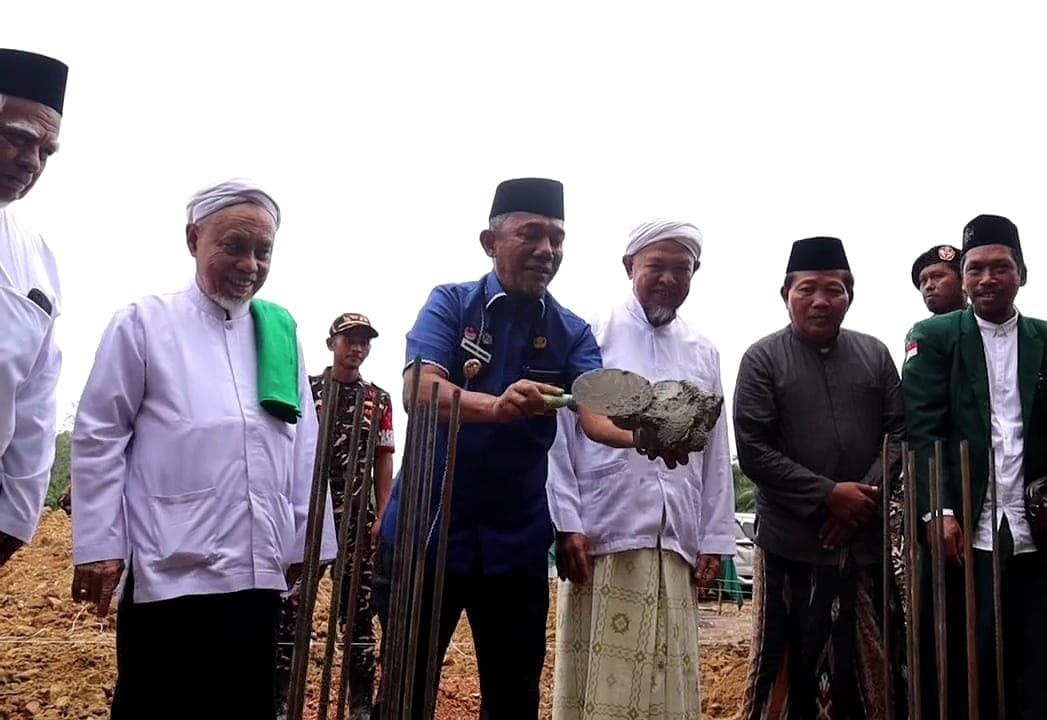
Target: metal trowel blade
(612, 392)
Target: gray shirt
(806, 417)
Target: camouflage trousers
(362, 654)
(896, 507)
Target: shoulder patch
(912, 348)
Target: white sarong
(627, 643)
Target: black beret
(937, 254)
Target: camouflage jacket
(341, 453)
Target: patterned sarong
(627, 643)
(817, 651)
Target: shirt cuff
(946, 512)
(725, 545)
(21, 503)
(97, 552)
(567, 520)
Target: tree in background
(60, 470)
(744, 490)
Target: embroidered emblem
(912, 348)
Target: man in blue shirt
(505, 342)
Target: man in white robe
(32, 94)
(634, 538)
(180, 473)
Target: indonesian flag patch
(911, 349)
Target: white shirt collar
(1004, 329)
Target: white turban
(657, 230)
(231, 192)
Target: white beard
(233, 306)
(659, 316)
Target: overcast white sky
(383, 128)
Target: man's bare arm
(600, 429)
(521, 400)
(383, 481)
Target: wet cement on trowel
(681, 413)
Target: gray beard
(231, 305)
(659, 316)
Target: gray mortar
(681, 414)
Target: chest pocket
(21, 340)
(24, 326)
(547, 376)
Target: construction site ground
(57, 659)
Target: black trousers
(507, 616)
(199, 656)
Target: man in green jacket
(979, 375)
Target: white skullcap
(657, 230)
(211, 199)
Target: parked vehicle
(745, 536)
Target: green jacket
(945, 387)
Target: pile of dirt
(58, 662)
(724, 668)
(57, 659)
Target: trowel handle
(555, 402)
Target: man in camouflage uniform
(350, 341)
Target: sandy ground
(57, 660)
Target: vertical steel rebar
(390, 698)
(343, 539)
(913, 577)
(885, 492)
(938, 582)
(997, 590)
(420, 556)
(970, 614)
(360, 546)
(311, 560)
(432, 674)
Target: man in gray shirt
(812, 405)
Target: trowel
(606, 391)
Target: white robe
(30, 363)
(176, 465)
(621, 500)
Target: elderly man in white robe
(192, 462)
(32, 98)
(635, 539)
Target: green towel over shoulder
(276, 337)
